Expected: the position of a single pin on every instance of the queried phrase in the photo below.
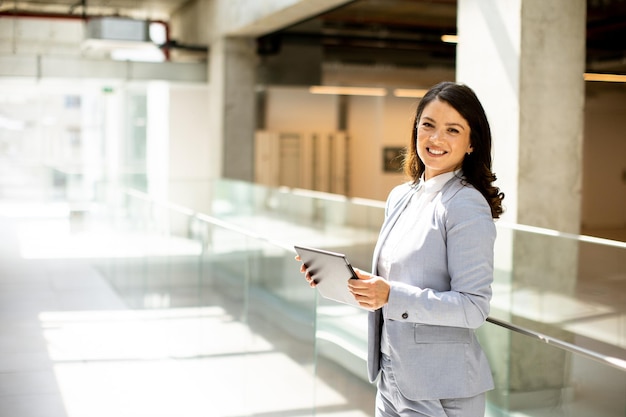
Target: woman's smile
(435, 151)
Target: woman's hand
(304, 271)
(371, 291)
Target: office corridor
(71, 347)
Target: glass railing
(556, 337)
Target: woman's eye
(455, 131)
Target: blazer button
(405, 315)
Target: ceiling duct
(117, 29)
(111, 35)
(114, 32)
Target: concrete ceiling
(398, 32)
(408, 32)
(140, 9)
(405, 33)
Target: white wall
(41, 36)
(372, 124)
(189, 148)
(294, 109)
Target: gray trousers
(391, 403)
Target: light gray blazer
(440, 292)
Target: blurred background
(160, 158)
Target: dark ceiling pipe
(17, 14)
(83, 4)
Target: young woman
(430, 285)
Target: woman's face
(443, 138)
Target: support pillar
(525, 59)
(232, 102)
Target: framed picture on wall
(392, 158)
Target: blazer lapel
(391, 219)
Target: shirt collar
(435, 184)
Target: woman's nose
(435, 136)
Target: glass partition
(238, 301)
(302, 217)
(568, 287)
(536, 379)
(212, 294)
(238, 259)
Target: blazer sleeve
(469, 235)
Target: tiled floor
(70, 347)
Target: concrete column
(232, 79)
(552, 91)
(525, 60)
(231, 29)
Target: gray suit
(440, 292)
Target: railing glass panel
(236, 258)
(536, 379)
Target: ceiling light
(409, 92)
(609, 78)
(348, 91)
(450, 38)
(157, 31)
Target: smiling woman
(443, 139)
(432, 269)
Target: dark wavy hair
(477, 165)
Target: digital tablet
(330, 271)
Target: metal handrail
(570, 236)
(570, 347)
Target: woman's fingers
(303, 270)
(370, 290)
